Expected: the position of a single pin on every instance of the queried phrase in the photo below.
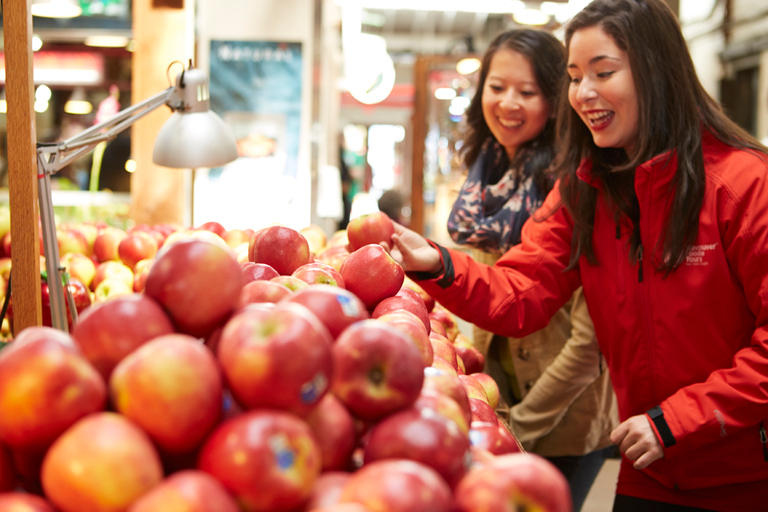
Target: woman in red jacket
(661, 214)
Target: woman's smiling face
(514, 107)
(602, 89)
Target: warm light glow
(41, 106)
(3, 106)
(531, 17)
(77, 103)
(468, 66)
(445, 93)
(130, 165)
(480, 6)
(37, 43)
(106, 41)
(43, 93)
(56, 8)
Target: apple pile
(294, 379)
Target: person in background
(661, 215)
(391, 203)
(562, 404)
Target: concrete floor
(600, 497)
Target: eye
(574, 80)
(605, 74)
(528, 93)
(495, 88)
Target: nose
(510, 100)
(586, 91)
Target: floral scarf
(490, 217)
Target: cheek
(572, 94)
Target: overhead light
(468, 66)
(37, 43)
(78, 104)
(445, 93)
(56, 8)
(105, 41)
(531, 17)
(476, 6)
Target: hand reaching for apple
(413, 252)
(637, 441)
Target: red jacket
(694, 343)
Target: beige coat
(568, 406)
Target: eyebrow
(593, 60)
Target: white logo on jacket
(697, 256)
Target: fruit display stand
(223, 383)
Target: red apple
(444, 382)
(136, 246)
(214, 227)
(377, 369)
(292, 283)
(398, 485)
(106, 243)
(257, 271)
(279, 358)
(112, 270)
(71, 240)
(514, 480)
(446, 318)
(79, 266)
(171, 388)
(318, 272)
(281, 247)
(429, 301)
(372, 228)
(401, 302)
(327, 491)
(5, 267)
(80, 296)
(474, 361)
(333, 256)
(440, 403)
(262, 291)
(491, 388)
(372, 274)
(474, 388)
(336, 307)
(24, 502)
(186, 491)
(420, 435)
(410, 325)
(197, 282)
(439, 362)
(334, 428)
(481, 411)
(443, 348)
(7, 472)
(267, 459)
(109, 331)
(102, 463)
(438, 327)
(46, 385)
(492, 437)
(140, 274)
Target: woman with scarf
(554, 380)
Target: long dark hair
(673, 109)
(547, 58)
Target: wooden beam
(22, 165)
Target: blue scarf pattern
(490, 217)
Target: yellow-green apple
(440, 403)
(410, 325)
(241, 252)
(257, 271)
(377, 369)
(7, 472)
(524, 480)
(336, 307)
(91, 231)
(197, 282)
(372, 274)
(79, 266)
(24, 502)
(214, 227)
(315, 236)
(279, 358)
(267, 459)
(446, 318)
(327, 490)
(111, 288)
(318, 272)
(443, 348)
(492, 437)
(236, 237)
(398, 485)
(438, 327)
(114, 270)
(292, 283)
(491, 387)
(372, 228)
(402, 302)
(140, 274)
(481, 410)
(71, 240)
(106, 243)
(109, 331)
(429, 301)
(262, 291)
(338, 237)
(281, 247)
(334, 428)
(423, 436)
(46, 385)
(186, 491)
(170, 387)
(136, 246)
(102, 463)
(474, 360)
(445, 382)
(474, 388)
(333, 255)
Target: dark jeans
(581, 471)
(630, 504)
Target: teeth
(510, 124)
(594, 116)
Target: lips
(599, 119)
(511, 123)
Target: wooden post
(22, 164)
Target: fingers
(618, 434)
(637, 442)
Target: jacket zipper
(764, 440)
(640, 263)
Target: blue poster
(256, 89)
